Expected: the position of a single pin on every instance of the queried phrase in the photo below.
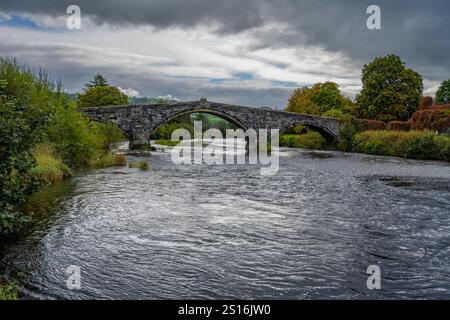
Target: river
(224, 231)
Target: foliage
(443, 93)
(347, 133)
(319, 99)
(142, 165)
(25, 109)
(390, 91)
(334, 113)
(436, 119)
(49, 167)
(8, 290)
(310, 140)
(169, 143)
(412, 144)
(98, 81)
(101, 96)
(108, 160)
(399, 126)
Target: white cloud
(4, 17)
(168, 97)
(130, 92)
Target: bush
(437, 118)
(310, 140)
(413, 144)
(49, 167)
(365, 124)
(108, 160)
(399, 126)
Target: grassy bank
(49, 167)
(8, 290)
(108, 160)
(310, 140)
(412, 144)
(168, 143)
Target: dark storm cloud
(231, 15)
(416, 30)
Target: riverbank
(420, 145)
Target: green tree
(443, 93)
(99, 81)
(319, 99)
(102, 96)
(390, 91)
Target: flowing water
(224, 231)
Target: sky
(247, 52)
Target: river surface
(224, 231)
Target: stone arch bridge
(139, 121)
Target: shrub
(310, 140)
(108, 160)
(143, 165)
(412, 144)
(437, 118)
(398, 126)
(49, 167)
(365, 124)
(334, 113)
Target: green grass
(108, 160)
(168, 143)
(310, 140)
(143, 165)
(8, 290)
(424, 145)
(48, 166)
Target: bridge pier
(139, 140)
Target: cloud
(168, 97)
(130, 92)
(247, 52)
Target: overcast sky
(236, 51)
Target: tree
(319, 99)
(443, 93)
(102, 96)
(99, 81)
(390, 91)
(26, 103)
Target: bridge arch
(233, 120)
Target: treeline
(43, 137)
(390, 92)
(389, 104)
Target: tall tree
(443, 93)
(98, 81)
(390, 90)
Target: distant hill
(147, 100)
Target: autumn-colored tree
(320, 99)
